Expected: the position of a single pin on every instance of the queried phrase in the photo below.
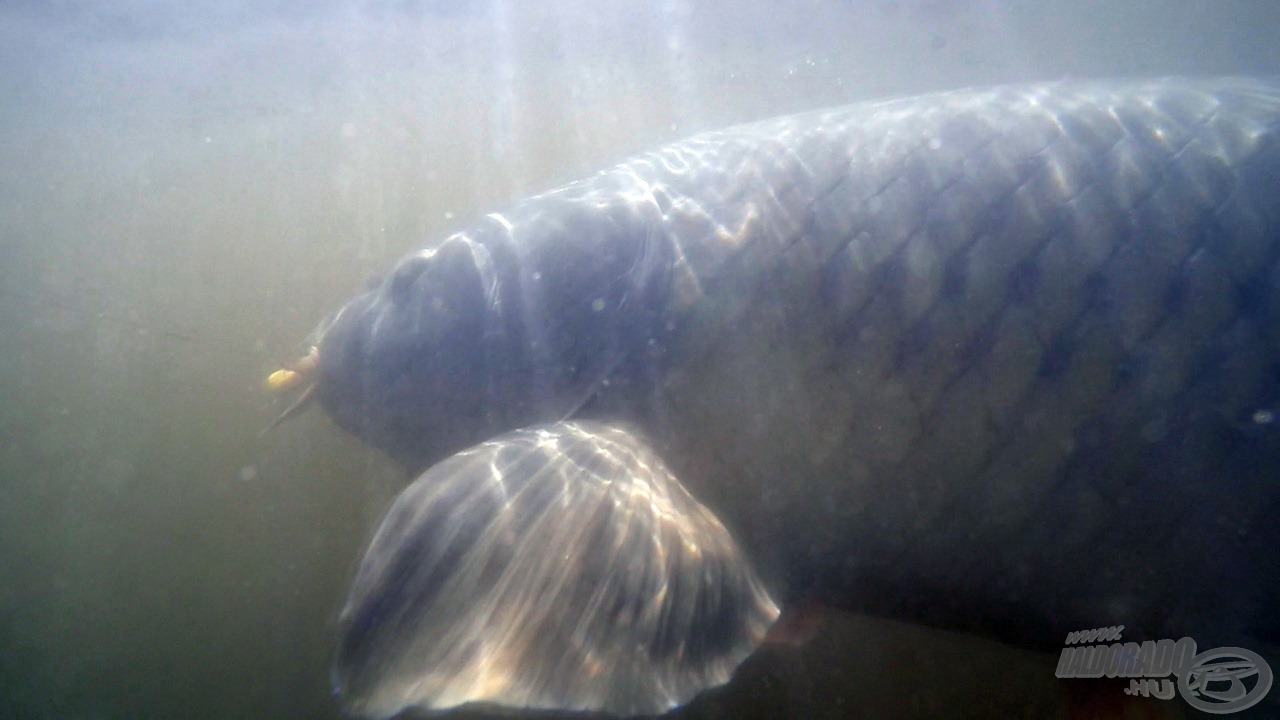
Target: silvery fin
(557, 567)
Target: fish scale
(1146, 167)
(991, 360)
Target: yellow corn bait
(282, 380)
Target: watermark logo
(1202, 685)
(1219, 681)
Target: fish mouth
(302, 373)
(299, 374)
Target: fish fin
(557, 567)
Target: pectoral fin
(559, 567)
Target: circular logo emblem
(1215, 681)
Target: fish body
(991, 360)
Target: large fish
(1001, 360)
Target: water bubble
(248, 473)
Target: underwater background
(189, 187)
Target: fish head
(407, 366)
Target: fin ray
(559, 567)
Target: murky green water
(186, 191)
